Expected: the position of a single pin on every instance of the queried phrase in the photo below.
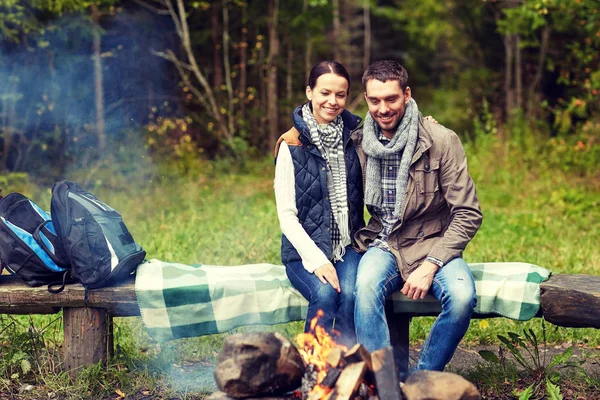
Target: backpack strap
(52, 285)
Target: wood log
(85, 338)
(16, 297)
(348, 381)
(386, 374)
(335, 357)
(358, 353)
(571, 300)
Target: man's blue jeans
(337, 307)
(452, 284)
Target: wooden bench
(566, 300)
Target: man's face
(387, 103)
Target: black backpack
(29, 245)
(99, 246)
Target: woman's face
(328, 97)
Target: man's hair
(327, 67)
(386, 70)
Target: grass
(225, 215)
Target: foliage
(527, 352)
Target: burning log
(336, 357)
(258, 364)
(386, 374)
(349, 381)
(358, 353)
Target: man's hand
(430, 118)
(418, 283)
(326, 274)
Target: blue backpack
(29, 245)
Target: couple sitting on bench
(412, 175)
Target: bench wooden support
(88, 324)
(86, 338)
(399, 325)
(566, 300)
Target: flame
(314, 347)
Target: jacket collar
(351, 122)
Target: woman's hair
(327, 67)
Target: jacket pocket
(427, 174)
(416, 240)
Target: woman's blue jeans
(452, 284)
(338, 308)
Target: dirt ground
(467, 357)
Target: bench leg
(399, 325)
(85, 337)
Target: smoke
(48, 88)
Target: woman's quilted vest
(312, 200)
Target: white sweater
(285, 196)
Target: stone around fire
(258, 364)
(433, 385)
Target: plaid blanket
(178, 301)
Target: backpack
(99, 246)
(29, 245)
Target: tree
(189, 70)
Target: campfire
(329, 362)
(268, 366)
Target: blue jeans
(337, 307)
(452, 284)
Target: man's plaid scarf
(328, 140)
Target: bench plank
(571, 300)
(16, 297)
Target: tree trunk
(531, 94)
(262, 87)
(367, 34)
(6, 134)
(337, 52)
(289, 80)
(308, 53)
(217, 59)
(98, 84)
(348, 22)
(243, 63)
(272, 101)
(518, 73)
(230, 116)
(508, 74)
(207, 98)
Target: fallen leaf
(120, 393)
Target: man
(424, 211)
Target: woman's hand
(326, 274)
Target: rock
(258, 364)
(223, 396)
(433, 385)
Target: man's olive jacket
(441, 212)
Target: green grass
(224, 215)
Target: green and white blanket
(178, 300)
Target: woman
(319, 194)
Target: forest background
(169, 110)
